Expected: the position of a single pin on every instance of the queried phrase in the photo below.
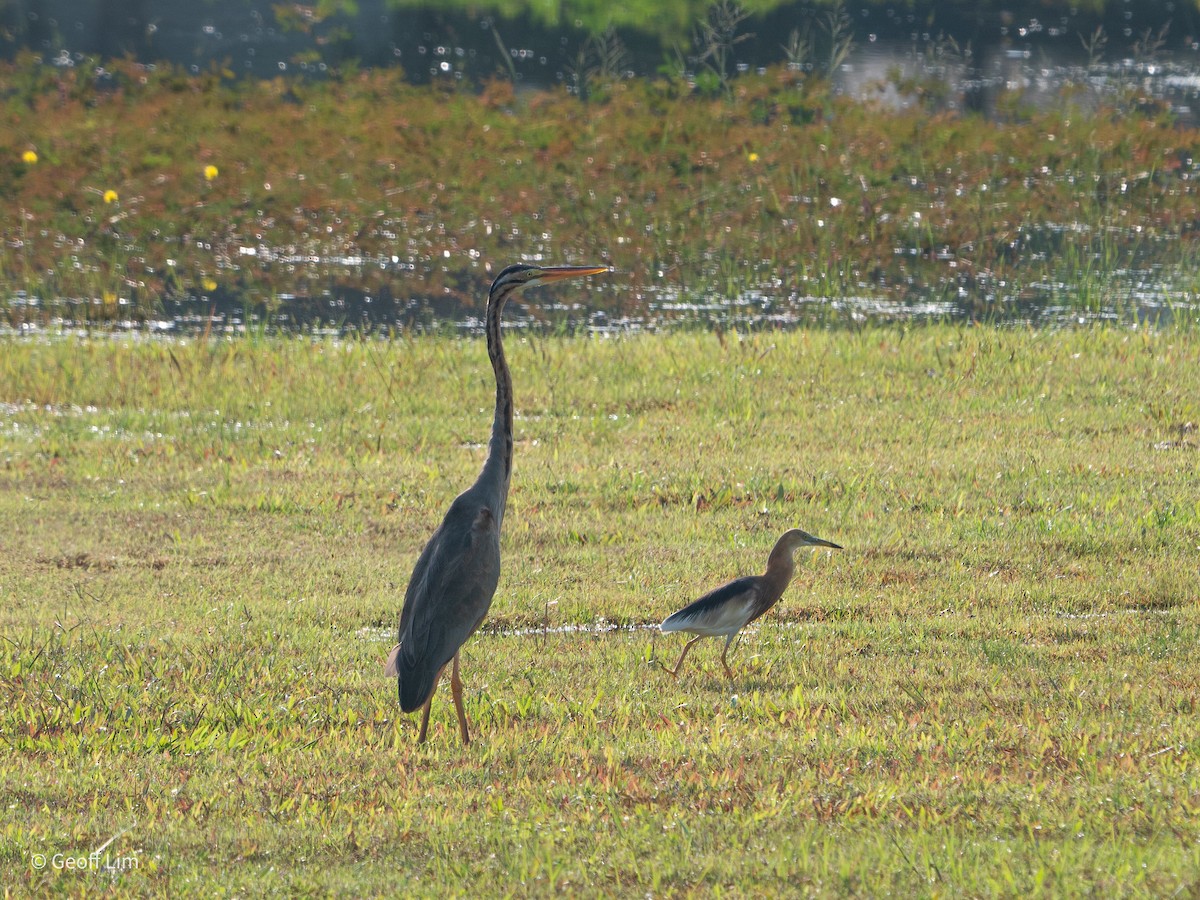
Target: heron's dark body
(431, 634)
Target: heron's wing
(448, 595)
(390, 669)
(722, 611)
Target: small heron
(731, 607)
(455, 577)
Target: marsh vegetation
(731, 194)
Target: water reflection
(904, 75)
(1135, 297)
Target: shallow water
(602, 626)
(343, 311)
(912, 284)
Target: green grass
(990, 691)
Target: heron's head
(795, 539)
(522, 275)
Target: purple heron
(456, 574)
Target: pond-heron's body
(725, 611)
(456, 574)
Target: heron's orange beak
(557, 273)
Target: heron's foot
(679, 662)
(674, 673)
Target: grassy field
(991, 691)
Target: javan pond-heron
(731, 607)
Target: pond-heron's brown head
(795, 539)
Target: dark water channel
(609, 305)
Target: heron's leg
(428, 706)
(728, 641)
(679, 662)
(456, 693)
(425, 717)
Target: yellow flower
(29, 156)
(110, 196)
(752, 156)
(210, 172)
(209, 285)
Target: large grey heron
(731, 607)
(456, 574)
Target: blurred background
(174, 162)
(538, 42)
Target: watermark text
(89, 862)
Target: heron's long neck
(498, 468)
(780, 567)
